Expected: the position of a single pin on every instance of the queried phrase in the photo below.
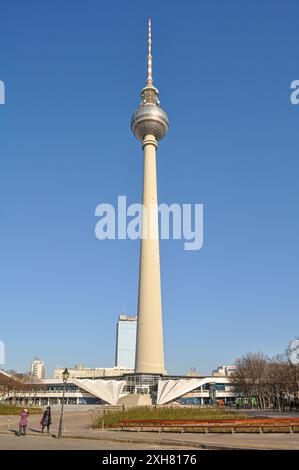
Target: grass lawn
(16, 410)
(111, 418)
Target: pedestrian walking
(23, 423)
(46, 420)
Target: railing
(208, 426)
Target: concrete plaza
(80, 435)
(30, 442)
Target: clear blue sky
(73, 71)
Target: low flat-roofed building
(125, 389)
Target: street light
(65, 377)
(212, 393)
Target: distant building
(81, 372)
(38, 370)
(126, 341)
(192, 373)
(224, 371)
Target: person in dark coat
(46, 420)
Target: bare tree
(270, 383)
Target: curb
(166, 442)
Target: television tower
(149, 124)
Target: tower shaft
(149, 344)
(149, 124)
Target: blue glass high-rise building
(126, 341)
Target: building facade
(128, 390)
(126, 341)
(37, 369)
(81, 372)
(224, 371)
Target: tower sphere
(149, 119)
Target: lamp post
(212, 393)
(65, 376)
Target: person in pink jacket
(23, 423)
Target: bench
(271, 424)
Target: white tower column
(149, 345)
(149, 124)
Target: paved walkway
(78, 425)
(30, 442)
(269, 414)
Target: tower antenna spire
(149, 81)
